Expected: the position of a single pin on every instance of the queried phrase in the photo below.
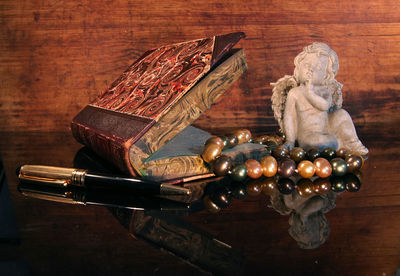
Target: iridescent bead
(285, 186)
(322, 186)
(306, 169)
(352, 182)
(239, 191)
(225, 140)
(350, 153)
(232, 141)
(254, 187)
(215, 140)
(313, 154)
(341, 153)
(297, 154)
(354, 163)
(261, 139)
(210, 152)
(222, 165)
(210, 206)
(239, 173)
(269, 166)
(337, 184)
(271, 145)
(221, 197)
(339, 166)
(305, 187)
(269, 185)
(328, 153)
(280, 152)
(254, 169)
(243, 135)
(322, 167)
(286, 167)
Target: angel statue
(308, 105)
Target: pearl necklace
(281, 162)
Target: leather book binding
(134, 123)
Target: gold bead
(254, 169)
(268, 186)
(211, 152)
(305, 188)
(215, 140)
(306, 169)
(243, 135)
(269, 166)
(323, 167)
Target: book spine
(110, 134)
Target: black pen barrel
(96, 181)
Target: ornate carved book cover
(134, 123)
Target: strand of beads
(281, 162)
(218, 195)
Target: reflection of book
(159, 95)
(182, 239)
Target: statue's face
(313, 68)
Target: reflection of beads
(221, 197)
(282, 162)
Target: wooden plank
(58, 56)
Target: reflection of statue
(308, 224)
(308, 104)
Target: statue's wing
(279, 95)
(337, 98)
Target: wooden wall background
(56, 56)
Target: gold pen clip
(53, 176)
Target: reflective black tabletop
(229, 228)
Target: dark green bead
(353, 184)
(222, 165)
(232, 141)
(313, 154)
(239, 191)
(328, 153)
(297, 154)
(337, 184)
(225, 140)
(239, 173)
(285, 186)
(339, 166)
(280, 152)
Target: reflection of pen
(67, 177)
(76, 195)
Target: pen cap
(53, 176)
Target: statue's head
(317, 62)
(311, 232)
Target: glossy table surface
(247, 236)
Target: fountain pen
(70, 177)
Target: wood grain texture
(57, 56)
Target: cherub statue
(308, 105)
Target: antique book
(142, 122)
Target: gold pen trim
(55, 176)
